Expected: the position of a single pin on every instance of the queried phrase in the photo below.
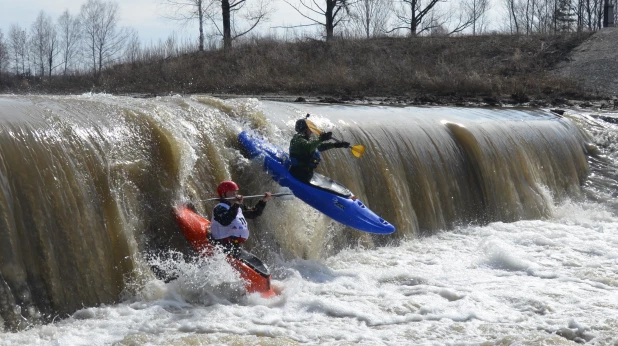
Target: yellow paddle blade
(313, 128)
(358, 150)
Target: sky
(146, 16)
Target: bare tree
(447, 20)
(511, 7)
(69, 28)
(527, 15)
(411, 15)
(187, 11)
(18, 42)
(133, 47)
(43, 42)
(370, 17)
(551, 16)
(227, 16)
(51, 49)
(4, 54)
(170, 46)
(532, 16)
(594, 10)
(436, 22)
(103, 38)
(544, 14)
(475, 10)
(333, 12)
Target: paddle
(283, 194)
(357, 150)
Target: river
(507, 224)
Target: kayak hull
(196, 229)
(338, 204)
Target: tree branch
(302, 14)
(251, 28)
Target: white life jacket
(237, 228)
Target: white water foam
(526, 283)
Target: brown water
(87, 182)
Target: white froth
(528, 282)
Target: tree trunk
(528, 17)
(474, 17)
(367, 18)
(414, 19)
(589, 13)
(330, 27)
(555, 17)
(200, 15)
(94, 59)
(100, 60)
(227, 26)
(512, 3)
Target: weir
(87, 182)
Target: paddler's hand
(326, 136)
(267, 196)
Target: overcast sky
(146, 16)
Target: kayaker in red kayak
(229, 225)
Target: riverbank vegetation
(490, 69)
(357, 49)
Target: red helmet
(226, 186)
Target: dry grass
(434, 67)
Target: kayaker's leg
(234, 249)
(228, 245)
(302, 174)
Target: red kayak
(251, 269)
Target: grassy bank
(492, 69)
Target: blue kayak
(324, 194)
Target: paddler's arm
(326, 146)
(252, 213)
(225, 216)
(300, 144)
(325, 136)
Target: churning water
(507, 226)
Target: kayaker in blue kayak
(305, 150)
(229, 225)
